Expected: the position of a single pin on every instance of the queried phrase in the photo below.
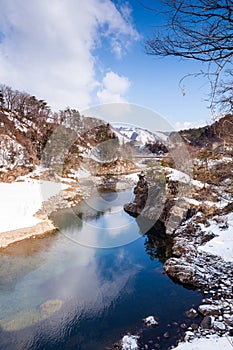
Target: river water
(90, 284)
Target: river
(88, 285)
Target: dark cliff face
(141, 195)
(158, 206)
(150, 206)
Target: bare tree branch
(201, 30)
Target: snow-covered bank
(211, 343)
(19, 201)
(222, 244)
(176, 175)
(203, 256)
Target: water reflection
(66, 295)
(157, 245)
(99, 222)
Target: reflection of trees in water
(108, 184)
(91, 214)
(157, 244)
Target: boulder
(150, 321)
(206, 323)
(219, 326)
(209, 309)
(192, 313)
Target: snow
(177, 175)
(192, 201)
(129, 342)
(82, 173)
(140, 135)
(211, 343)
(19, 201)
(222, 244)
(121, 137)
(11, 152)
(221, 204)
(224, 159)
(133, 177)
(150, 321)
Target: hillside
(32, 135)
(210, 136)
(140, 135)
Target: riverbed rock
(183, 326)
(192, 313)
(219, 326)
(50, 306)
(129, 342)
(194, 326)
(150, 321)
(166, 335)
(20, 321)
(206, 323)
(184, 271)
(209, 309)
(229, 320)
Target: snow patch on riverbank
(19, 201)
(222, 244)
(176, 175)
(213, 342)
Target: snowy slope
(123, 138)
(140, 135)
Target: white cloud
(47, 47)
(114, 87)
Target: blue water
(98, 278)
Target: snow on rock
(176, 175)
(222, 244)
(11, 152)
(192, 201)
(150, 321)
(219, 326)
(209, 309)
(213, 342)
(19, 201)
(130, 342)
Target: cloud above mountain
(114, 87)
(51, 48)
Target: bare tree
(225, 93)
(196, 29)
(25, 106)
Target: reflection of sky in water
(69, 271)
(100, 222)
(104, 291)
(87, 280)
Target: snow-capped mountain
(142, 136)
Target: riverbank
(191, 263)
(27, 203)
(201, 232)
(19, 202)
(203, 257)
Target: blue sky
(84, 53)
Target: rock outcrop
(157, 204)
